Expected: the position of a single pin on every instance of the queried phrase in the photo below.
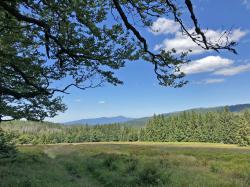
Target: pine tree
(243, 132)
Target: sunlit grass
(128, 164)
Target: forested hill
(232, 108)
(140, 122)
(215, 127)
(100, 121)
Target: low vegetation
(127, 164)
(7, 147)
(134, 156)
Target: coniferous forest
(215, 127)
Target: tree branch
(19, 95)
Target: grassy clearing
(128, 164)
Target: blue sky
(215, 78)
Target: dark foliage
(85, 42)
(7, 148)
(215, 127)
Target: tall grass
(127, 165)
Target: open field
(127, 164)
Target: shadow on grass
(125, 170)
(123, 166)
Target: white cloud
(215, 64)
(207, 64)
(210, 81)
(237, 34)
(233, 70)
(77, 100)
(164, 26)
(101, 102)
(183, 43)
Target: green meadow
(127, 164)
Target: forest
(214, 127)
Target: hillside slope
(100, 121)
(140, 122)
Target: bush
(149, 175)
(7, 148)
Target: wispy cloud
(246, 41)
(234, 70)
(213, 81)
(207, 64)
(210, 81)
(78, 100)
(246, 3)
(101, 102)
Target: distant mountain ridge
(232, 108)
(100, 121)
(139, 122)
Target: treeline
(216, 127)
(49, 133)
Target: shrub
(149, 175)
(7, 148)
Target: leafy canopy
(80, 43)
